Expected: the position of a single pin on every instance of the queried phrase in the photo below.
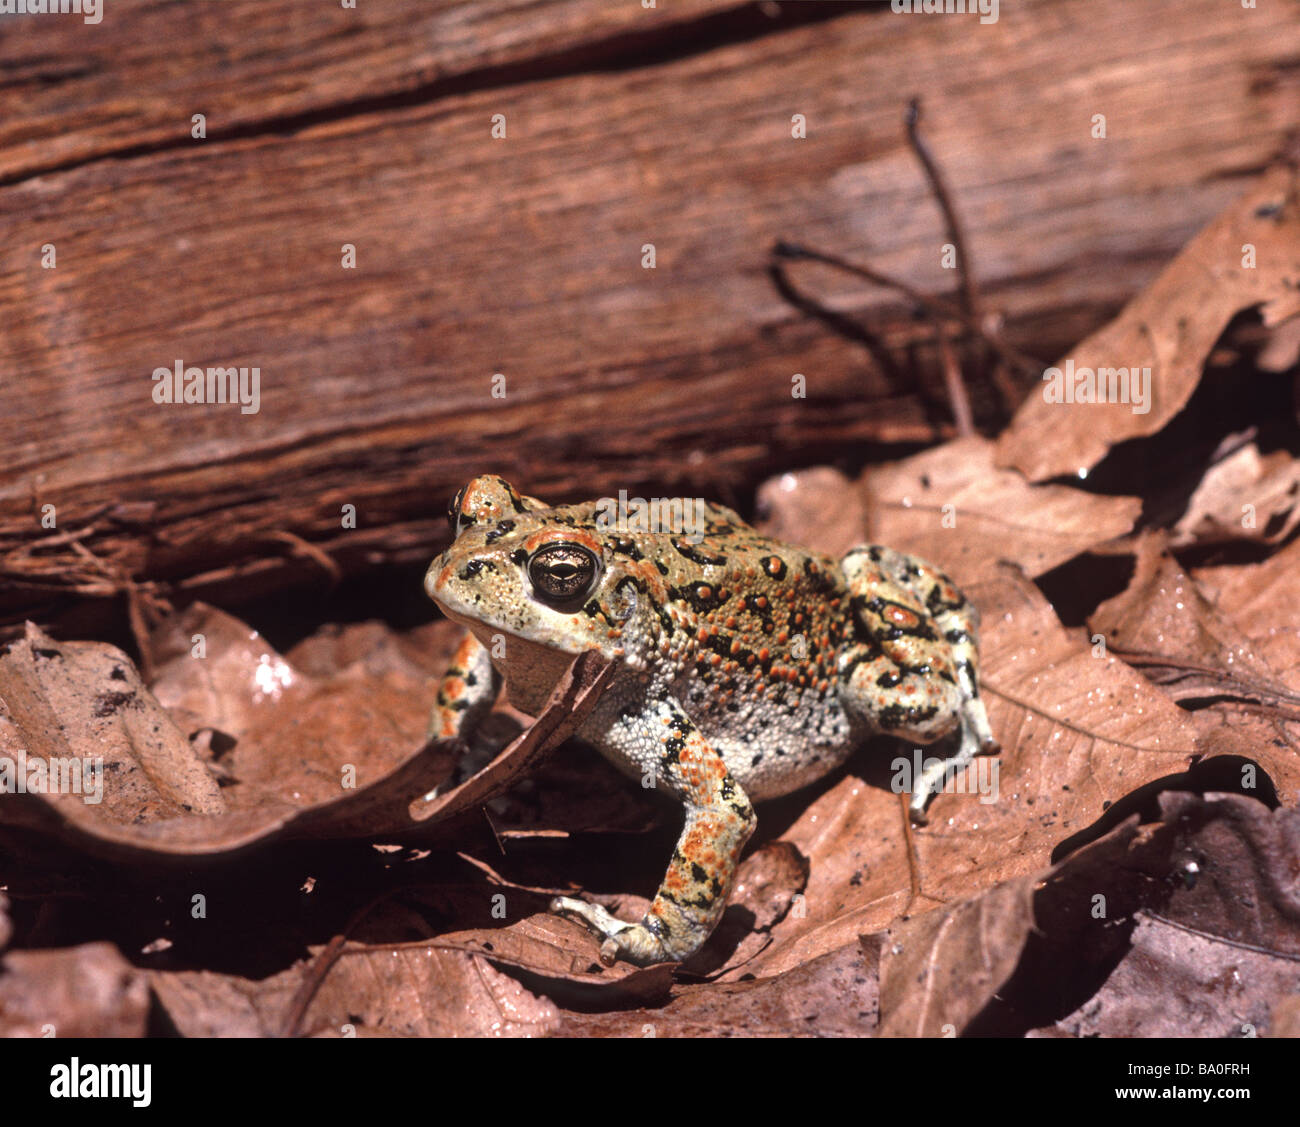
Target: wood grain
(522, 256)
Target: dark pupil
(561, 574)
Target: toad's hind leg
(913, 668)
(719, 820)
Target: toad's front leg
(466, 693)
(719, 820)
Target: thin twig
(970, 294)
(938, 306)
(970, 298)
(305, 548)
(321, 965)
(962, 416)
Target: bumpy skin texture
(747, 668)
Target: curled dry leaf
(1169, 328)
(1246, 496)
(1262, 601)
(284, 737)
(85, 698)
(1163, 624)
(79, 708)
(951, 506)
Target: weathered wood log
(525, 255)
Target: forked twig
(969, 311)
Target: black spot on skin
(756, 760)
(696, 552)
(704, 901)
(625, 546)
(503, 528)
(936, 603)
(471, 569)
(691, 594)
(515, 500)
(820, 580)
(665, 620)
(889, 679)
(957, 636)
(698, 873)
(773, 567)
(519, 556)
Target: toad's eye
(562, 572)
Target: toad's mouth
(515, 644)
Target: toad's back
(754, 629)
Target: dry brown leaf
(1170, 328)
(87, 991)
(213, 671)
(1176, 983)
(1247, 496)
(1285, 1019)
(1164, 625)
(951, 506)
(834, 995)
(391, 806)
(286, 738)
(938, 970)
(817, 508)
(1218, 925)
(403, 990)
(1263, 602)
(1078, 731)
(82, 704)
(1186, 926)
(414, 655)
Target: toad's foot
(635, 942)
(976, 739)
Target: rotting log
(523, 255)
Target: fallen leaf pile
(276, 849)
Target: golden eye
(561, 573)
